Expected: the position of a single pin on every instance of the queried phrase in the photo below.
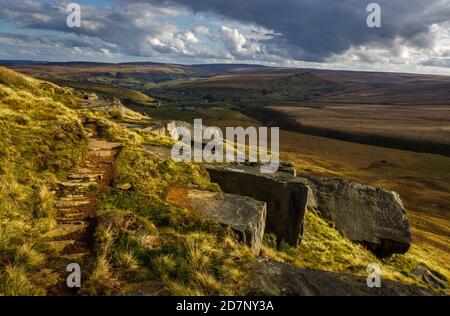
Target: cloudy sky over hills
(414, 37)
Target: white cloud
(144, 30)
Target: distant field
(413, 127)
(70, 69)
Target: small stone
(124, 186)
(430, 278)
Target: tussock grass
(125, 259)
(13, 79)
(14, 281)
(101, 279)
(29, 257)
(46, 203)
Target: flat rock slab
(65, 229)
(70, 218)
(86, 170)
(95, 144)
(368, 215)
(65, 203)
(103, 153)
(75, 187)
(89, 177)
(76, 184)
(163, 152)
(286, 196)
(271, 278)
(243, 214)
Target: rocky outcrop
(244, 215)
(271, 278)
(368, 215)
(286, 196)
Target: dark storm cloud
(316, 29)
(279, 32)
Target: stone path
(72, 239)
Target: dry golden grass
(40, 139)
(325, 248)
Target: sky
(414, 35)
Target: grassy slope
(251, 90)
(113, 91)
(40, 139)
(141, 238)
(193, 257)
(144, 241)
(421, 180)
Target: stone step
(102, 153)
(73, 214)
(60, 245)
(85, 177)
(65, 229)
(74, 222)
(95, 145)
(76, 256)
(88, 170)
(70, 218)
(68, 203)
(75, 196)
(75, 186)
(67, 212)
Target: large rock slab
(368, 215)
(271, 278)
(286, 196)
(244, 215)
